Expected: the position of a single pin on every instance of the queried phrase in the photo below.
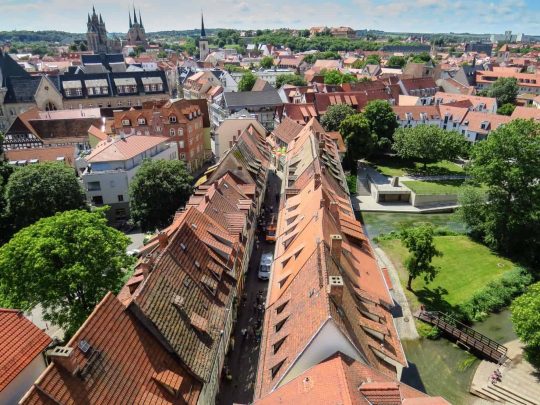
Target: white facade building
(112, 165)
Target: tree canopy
(336, 77)
(382, 121)
(396, 62)
(290, 78)
(157, 191)
(526, 316)
(428, 143)
(358, 137)
(66, 263)
(506, 109)
(507, 164)
(267, 62)
(334, 115)
(419, 241)
(247, 81)
(505, 90)
(41, 190)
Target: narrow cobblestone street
(241, 362)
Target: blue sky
(477, 16)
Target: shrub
(497, 294)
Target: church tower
(203, 42)
(136, 35)
(96, 34)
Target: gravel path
(403, 317)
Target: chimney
(163, 239)
(334, 210)
(239, 167)
(206, 198)
(317, 180)
(239, 132)
(64, 357)
(231, 144)
(335, 247)
(335, 288)
(321, 147)
(145, 267)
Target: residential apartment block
(112, 164)
(181, 121)
(474, 125)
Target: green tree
(290, 78)
(358, 137)
(66, 263)
(162, 54)
(526, 319)
(422, 57)
(505, 90)
(247, 81)
(335, 114)
(382, 121)
(507, 164)
(157, 191)
(506, 109)
(41, 190)
(419, 241)
(396, 62)
(267, 62)
(428, 143)
(336, 77)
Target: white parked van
(264, 266)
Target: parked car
(265, 265)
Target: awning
(152, 80)
(72, 84)
(96, 83)
(129, 81)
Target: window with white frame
(172, 132)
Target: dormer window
(141, 121)
(172, 119)
(484, 125)
(126, 122)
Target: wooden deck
(468, 337)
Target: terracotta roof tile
(20, 343)
(123, 365)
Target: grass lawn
(435, 187)
(465, 267)
(394, 166)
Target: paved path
(403, 318)
(367, 203)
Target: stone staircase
(519, 383)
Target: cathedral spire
(89, 17)
(100, 19)
(203, 31)
(135, 15)
(130, 23)
(140, 19)
(94, 11)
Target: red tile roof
(300, 303)
(287, 130)
(126, 364)
(20, 343)
(125, 148)
(342, 380)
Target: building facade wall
(22, 383)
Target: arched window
(171, 132)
